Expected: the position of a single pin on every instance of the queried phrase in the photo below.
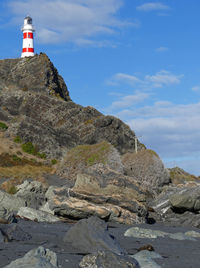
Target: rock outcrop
(36, 105)
(35, 258)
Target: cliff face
(35, 104)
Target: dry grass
(26, 171)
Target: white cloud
(160, 79)
(119, 78)
(152, 6)
(162, 49)
(74, 21)
(169, 129)
(129, 100)
(196, 88)
(163, 78)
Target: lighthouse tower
(27, 29)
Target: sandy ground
(175, 253)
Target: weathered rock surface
(178, 205)
(11, 202)
(35, 74)
(178, 176)
(36, 215)
(146, 258)
(91, 235)
(147, 168)
(81, 157)
(14, 232)
(6, 216)
(36, 258)
(105, 259)
(153, 234)
(101, 192)
(33, 84)
(33, 192)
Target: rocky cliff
(35, 103)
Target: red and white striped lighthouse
(27, 29)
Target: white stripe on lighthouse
(28, 45)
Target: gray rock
(36, 258)
(91, 235)
(6, 216)
(36, 215)
(1, 237)
(14, 232)
(33, 192)
(11, 202)
(153, 234)
(147, 168)
(145, 259)
(187, 200)
(107, 259)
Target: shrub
(53, 161)
(41, 155)
(3, 126)
(11, 189)
(17, 139)
(29, 148)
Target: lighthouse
(27, 29)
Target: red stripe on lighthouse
(28, 35)
(28, 49)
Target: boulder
(147, 168)
(33, 192)
(101, 192)
(187, 200)
(146, 258)
(14, 232)
(36, 215)
(36, 258)
(105, 259)
(10, 202)
(91, 235)
(6, 216)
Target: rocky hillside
(36, 106)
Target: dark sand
(184, 254)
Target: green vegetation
(12, 189)
(88, 154)
(30, 148)
(3, 126)
(54, 161)
(17, 139)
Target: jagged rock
(14, 232)
(172, 206)
(187, 200)
(6, 216)
(146, 258)
(11, 202)
(36, 215)
(33, 84)
(153, 234)
(36, 258)
(105, 259)
(32, 74)
(147, 168)
(83, 156)
(178, 176)
(33, 192)
(101, 192)
(91, 235)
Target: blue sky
(135, 59)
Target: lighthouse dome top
(28, 26)
(28, 20)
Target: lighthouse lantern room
(27, 29)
